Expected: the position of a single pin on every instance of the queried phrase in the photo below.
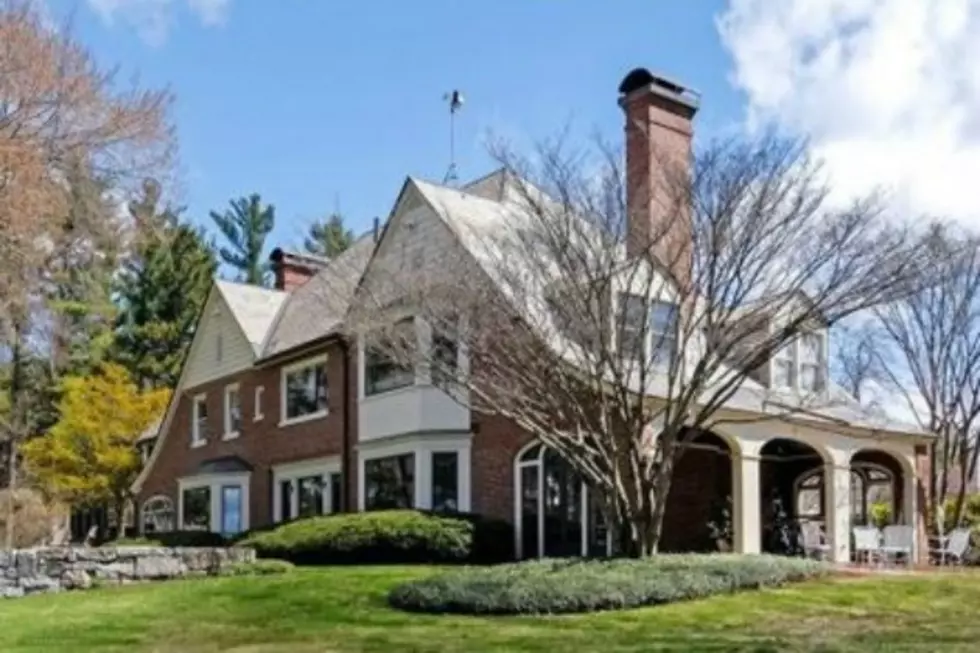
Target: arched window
(871, 484)
(158, 515)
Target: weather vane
(455, 100)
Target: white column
(837, 487)
(746, 500)
(910, 508)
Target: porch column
(746, 500)
(837, 486)
(912, 514)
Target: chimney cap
(642, 80)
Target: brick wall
(263, 443)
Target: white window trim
(215, 482)
(292, 472)
(283, 373)
(259, 393)
(423, 446)
(229, 434)
(198, 439)
(156, 498)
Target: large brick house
(279, 414)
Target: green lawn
(343, 610)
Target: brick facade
(262, 443)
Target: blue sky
(317, 103)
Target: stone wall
(31, 571)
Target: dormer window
(801, 364)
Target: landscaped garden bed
(568, 586)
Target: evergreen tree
(328, 237)
(161, 291)
(245, 226)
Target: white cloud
(154, 18)
(887, 90)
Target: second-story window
(811, 362)
(800, 364)
(647, 329)
(199, 420)
(445, 356)
(233, 412)
(304, 390)
(386, 360)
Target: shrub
(493, 539)
(174, 539)
(258, 568)
(365, 538)
(566, 586)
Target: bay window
(445, 481)
(196, 513)
(385, 366)
(389, 483)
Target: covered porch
(750, 489)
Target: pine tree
(328, 237)
(161, 291)
(245, 226)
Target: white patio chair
(867, 544)
(954, 547)
(898, 542)
(814, 540)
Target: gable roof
(253, 307)
(483, 214)
(318, 307)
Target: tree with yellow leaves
(90, 454)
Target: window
(158, 515)
(445, 481)
(231, 509)
(445, 357)
(632, 313)
(233, 412)
(382, 372)
(647, 329)
(663, 332)
(304, 390)
(800, 364)
(258, 403)
(811, 362)
(310, 496)
(336, 485)
(197, 509)
(389, 483)
(286, 500)
(784, 367)
(199, 421)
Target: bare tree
(859, 359)
(614, 341)
(935, 333)
(59, 113)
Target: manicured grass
(343, 609)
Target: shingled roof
(318, 307)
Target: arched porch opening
(878, 493)
(699, 513)
(792, 478)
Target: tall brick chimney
(659, 131)
(292, 270)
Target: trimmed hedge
(385, 537)
(257, 568)
(567, 586)
(174, 539)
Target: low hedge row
(385, 537)
(567, 586)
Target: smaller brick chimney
(659, 130)
(292, 270)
